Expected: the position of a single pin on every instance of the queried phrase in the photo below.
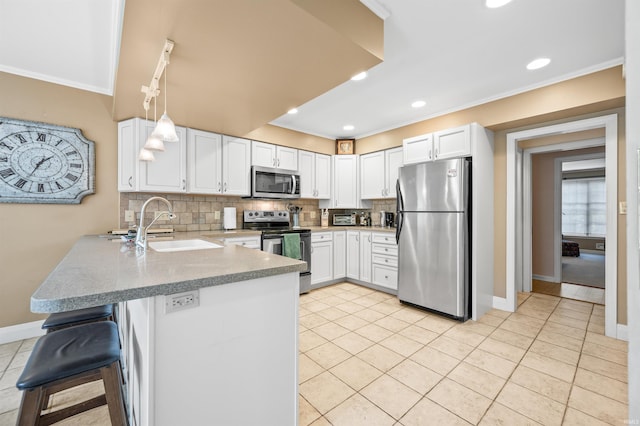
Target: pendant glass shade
(154, 143)
(165, 129)
(146, 155)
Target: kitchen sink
(183, 245)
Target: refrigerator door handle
(399, 211)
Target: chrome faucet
(141, 235)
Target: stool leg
(112, 380)
(31, 406)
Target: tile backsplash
(198, 212)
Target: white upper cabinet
(166, 174)
(345, 184)
(204, 162)
(315, 174)
(450, 143)
(236, 170)
(268, 155)
(392, 162)
(379, 172)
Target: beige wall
(542, 208)
(35, 237)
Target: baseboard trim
(622, 332)
(17, 332)
(501, 304)
(544, 278)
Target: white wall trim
(546, 278)
(501, 304)
(17, 332)
(622, 332)
(517, 230)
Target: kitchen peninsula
(230, 357)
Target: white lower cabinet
(365, 256)
(339, 254)
(353, 255)
(384, 260)
(321, 257)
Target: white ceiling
(451, 53)
(454, 54)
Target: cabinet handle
(225, 187)
(436, 153)
(357, 237)
(429, 156)
(131, 181)
(369, 238)
(278, 162)
(219, 187)
(184, 184)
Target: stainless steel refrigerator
(433, 236)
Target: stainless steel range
(274, 224)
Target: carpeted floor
(587, 269)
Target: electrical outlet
(161, 213)
(623, 207)
(129, 216)
(216, 214)
(600, 246)
(180, 301)
(313, 214)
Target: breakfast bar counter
(209, 336)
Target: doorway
(518, 246)
(569, 205)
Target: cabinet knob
(219, 187)
(225, 187)
(386, 277)
(184, 184)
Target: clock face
(42, 163)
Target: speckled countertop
(98, 271)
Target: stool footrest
(73, 410)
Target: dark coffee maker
(389, 219)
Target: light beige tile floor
(366, 359)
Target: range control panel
(266, 216)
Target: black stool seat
(69, 352)
(68, 358)
(79, 316)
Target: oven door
(274, 183)
(273, 244)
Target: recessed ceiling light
(348, 127)
(538, 63)
(418, 104)
(293, 111)
(496, 3)
(360, 76)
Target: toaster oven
(344, 219)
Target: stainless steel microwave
(274, 183)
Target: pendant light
(154, 142)
(165, 129)
(146, 155)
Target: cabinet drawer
(380, 259)
(249, 242)
(389, 250)
(386, 238)
(321, 236)
(385, 276)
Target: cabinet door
(236, 166)
(321, 261)
(263, 154)
(365, 256)
(168, 172)
(345, 181)
(339, 254)
(306, 170)
(286, 158)
(372, 176)
(323, 176)
(353, 254)
(128, 155)
(418, 149)
(452, 143)
(204, 162)
(393, 161)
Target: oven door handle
(269, 243)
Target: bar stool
(62, 320)
(68, 358)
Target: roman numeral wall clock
(44, 163)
